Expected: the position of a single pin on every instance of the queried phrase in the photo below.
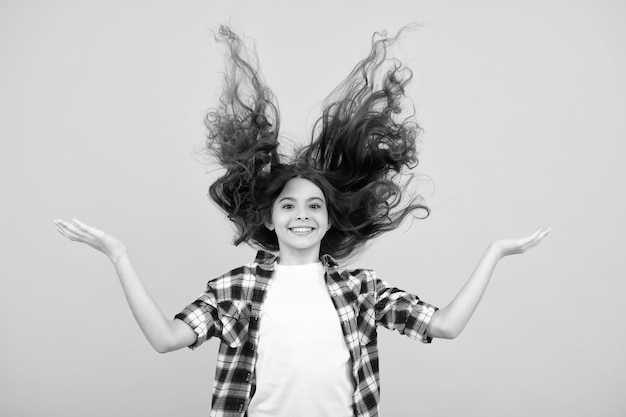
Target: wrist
(495, 251)
(117, 255)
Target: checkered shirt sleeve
(220, 311)
(399, 310)
(201, 316)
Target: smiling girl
(298, 332)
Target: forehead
(301, 188)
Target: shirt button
(248, 377)
(240, 407)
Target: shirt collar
(265, 259)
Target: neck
(299, 258)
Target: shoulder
(263, 260)
(232, 276)
(362, 279)
(360, 274)
(237, 283)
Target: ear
(269, 225)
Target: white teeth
(301, 229)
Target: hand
(96, 238)
(505, 247)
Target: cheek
(326, 219)
(278, 218)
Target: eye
(287, 206)
(316, 206)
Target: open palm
(507, 247)
(94, 237)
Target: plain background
(522, 104)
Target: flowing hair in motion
(359, 150)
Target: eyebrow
(308, 199)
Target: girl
(298, 333)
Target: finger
(525, 241)
(546, 232)
(59, 228)
(85, 228)
(73, 230)
(72, 227)
(62, 222)
(88, 233)
(79, 224)
(66, 232)
(533, 244)
(538, 235)
(542, 233)
(67, 228)
(538, 239)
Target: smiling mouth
(301, 230)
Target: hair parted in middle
(359, 150)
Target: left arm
(448, 322)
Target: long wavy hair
(360, 154)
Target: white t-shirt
(303, 366)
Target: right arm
(164, 335)
(450, 321)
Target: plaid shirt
(231, 310)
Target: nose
(302, 214)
